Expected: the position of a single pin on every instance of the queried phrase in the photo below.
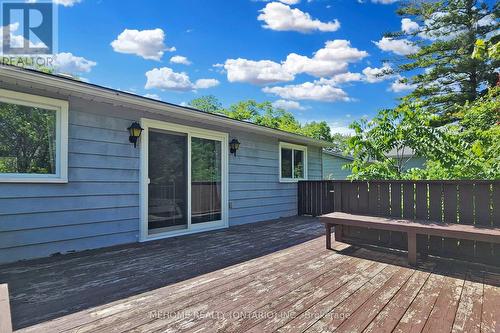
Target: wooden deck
(271, 276)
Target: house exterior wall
(99, 206)
(332, 167)
(415, 162)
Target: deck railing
(468, 202)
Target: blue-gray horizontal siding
(99, 206)
(414, 162)
(333, 167)
(255, 193)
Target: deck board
(274, 276)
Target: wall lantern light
(135, 131)
(234, 145)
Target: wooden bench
(410, 227)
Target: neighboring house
(333, 165)
(407, 158)
(70, 179)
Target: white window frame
(61, 108)
(293, 147)
(191, 132)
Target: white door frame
(146, 124)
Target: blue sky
(298, 54)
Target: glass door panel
(206, 180)
(167, 190)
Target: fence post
(5, 319)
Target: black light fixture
(234, 145)
(135, 131)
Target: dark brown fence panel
(466, 216)
(465, 202)
(435, 214)
(373, 203)
(398, 239)
(363, 198)
(409, 200)
(483, 217)
(422, 213)
(450, 213)
(385, 210)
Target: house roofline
(346, 157)
(94, 90)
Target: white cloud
(296, 64)
(288, 105)
(256, 72)
(398, 46)
(153, 96)
(487, 20)
(280, 17)
(148, 44)
(344, 130)
(400, 85)
(340, 50)
(166, 79)
(408, 26)
(180, 60)
(66, 3)
(434, 29)
(16, 40)
(206, 83)
(346, 77)
(329, 61)
(385, 2)
(373, 75)
(68, 63)
(316, 91)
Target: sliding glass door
(167, 192)
(206, 180)
(184, 179)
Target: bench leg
(338, 233)
(412, 248)
(328, 232)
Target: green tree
(277, 118)
(244, 110)
(318, 130)
(208, 103)
(467, 149)
(265, 114)
(444, 72)
(27, 139)
(402, 129)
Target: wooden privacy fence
(468, 202)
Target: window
(293, 162)
(33, 138)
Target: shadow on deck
(48, 288)
(263, 277)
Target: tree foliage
(452, 117)
(467, 149)
(444, 72)
(265, 114)
(27, 139)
